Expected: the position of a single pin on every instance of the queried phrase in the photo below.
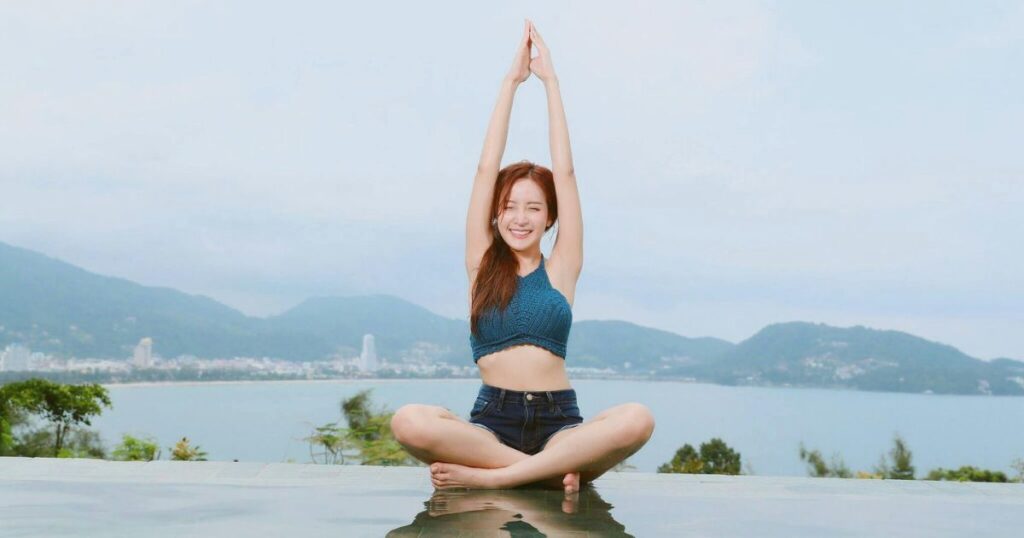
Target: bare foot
(453, 475)
(571, 483)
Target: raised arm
(568, 249)
(478, 225)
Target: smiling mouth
(520, 234)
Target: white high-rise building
(368, 358)
(143, 357)
(16, 358)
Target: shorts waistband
(527, 397)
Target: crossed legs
(463, 455)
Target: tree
(11, 416)
(183, 451)
(83, 443)
(63, 406)
(367, 439)
(967, 473)
(715, 457)
(135, 449)
(328, 444)
(817, 467)
(686, 460)
(39, 443)
(719, 458)
(899, 466)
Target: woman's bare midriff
(524, 367)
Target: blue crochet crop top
(538, 314)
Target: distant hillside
(807, 354)
(399, 327)
(614, 343)
(55, 307)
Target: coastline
(341, 381)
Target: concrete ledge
(68, 497)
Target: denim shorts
(525, 420)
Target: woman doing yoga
(525, 427)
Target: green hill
(808, 354)
(601, 344)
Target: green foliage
(11, 417)
(967, 473)
(367, 439)
(898, 466)
(63, 406)
(184, 451)
(817, 467)
(715, 457)
(686, 460)
(39, 443)
(83, 443)
(135, 449)
(328, 444)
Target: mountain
(398, 326)
(54, 307)
(808, 354)
(613, 343)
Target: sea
(268, 421)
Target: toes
(571, 483)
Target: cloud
(746, 159)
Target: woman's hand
(520, 70)
(541, 65)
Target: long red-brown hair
(496, 279)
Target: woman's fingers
(527, 39)
(535, 35)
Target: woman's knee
(638, 423)
(410, 424)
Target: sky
(739, 163)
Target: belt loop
(551, 400)
(501, 399)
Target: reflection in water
(513, 512)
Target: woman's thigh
(627, 414)
(432, 433)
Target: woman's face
(522, 221)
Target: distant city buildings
(417, 361)
(15, 358)
(143, 357)
(368, 357)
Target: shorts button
(529, 396)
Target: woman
(525, 427)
